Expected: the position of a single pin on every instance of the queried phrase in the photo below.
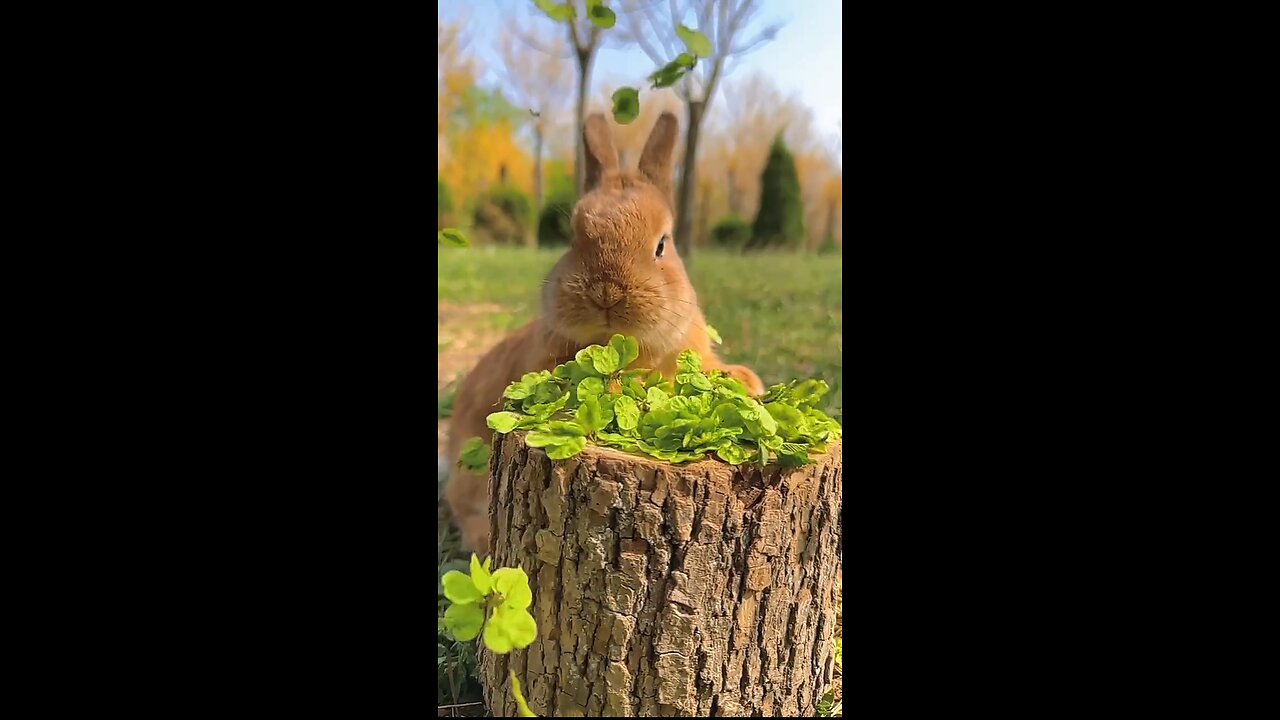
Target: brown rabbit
(622, 274)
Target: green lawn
(779, 314)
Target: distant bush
(553, 223)
(444, 203)
(731, 232)
(504, 215)
(781, 217)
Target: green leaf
(655, 396)
(565, 428)
(697, 43)
(474, 455)
(714, 335)
(560, 12)
(503, 422)
(605, 360)
(600, 16)
(520, 701)
(452, 237)
(626, 105)
(513, 584)
(696, 379)
(590, 416)
(627, 413)
(542, 411)
(809, 392)
(459, 588)
(525, 386)
(540, 438)
(566, 450)
(686, 60)
(733, 454)
(510, 630)
(668, 74)
(464, 621)
(480, 576)
(628, 349)
(585, 361)
(591, 387)
(688, 362)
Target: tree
(538, 82)
(455, 72)
(724, 23)
(484, 149)
(780, 220)
(584, 40)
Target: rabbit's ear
(658, 159)
(602, 158)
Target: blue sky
(806, 57)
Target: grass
(779, 314)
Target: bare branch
(529, 40)
(637, 33)
(573, 36)
(765, 36)
(744, 11)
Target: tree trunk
(537, 166)
(661, 590)
(831, 224)
(684, 200)
(733, 194)
(537, 183)
(579, 152)
(704, 212)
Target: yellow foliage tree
(478, 158)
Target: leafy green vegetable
(597, 398)
(452, 237)
(504, 422)
(697, 43)
(474, 455)
(626, 105)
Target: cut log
(660, 590)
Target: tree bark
(704, 213)
(733, 194)
(579, 156)
(688, 181)
(661, 590)
(537, 183)
(537, 166)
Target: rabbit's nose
(609, 295)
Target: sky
(806, 56)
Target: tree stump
(662, 590)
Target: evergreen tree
(780, 220)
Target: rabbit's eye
(662, 244)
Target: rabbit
(621, 274)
